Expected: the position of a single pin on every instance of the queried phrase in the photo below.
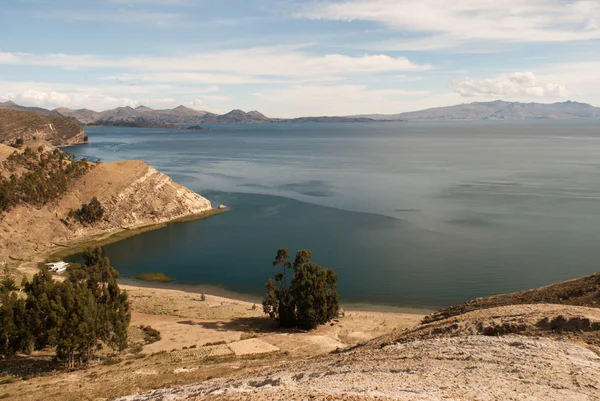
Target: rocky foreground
(541, 351)
(467, 368)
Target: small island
(196, 127)
(159, 277)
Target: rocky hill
(10, 105)
(132, 193)
(35, 127)
(497, 110)
(178, 115)
(541, 351)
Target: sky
(292, 58)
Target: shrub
(89, 213)
(150, 335)
(202, 297)
(111, 361)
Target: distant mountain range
(496, 110)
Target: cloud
(440, 24)
(517, 84)
(51, 95)
(256, 64)
(319, 100)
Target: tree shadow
(244, 324)
(20, 366)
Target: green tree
(311, 298)
(89, 213)
(8, 283)
(73, 316)
(78, 330)
(113, 304)
(43, 308)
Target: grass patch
(160, 277)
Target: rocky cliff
(35, 128)
(132, 193)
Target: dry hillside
(132, 193)
(581, 291)
(53, 129)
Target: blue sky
(296, 58)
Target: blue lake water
(408, 214)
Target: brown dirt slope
(584, 291)
(54, 129)
(132, 193)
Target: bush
(111, 361)
(311, 298)
(18, 143)
(89, 213)
(150, 335)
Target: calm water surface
(408, 214)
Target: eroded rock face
(132, 193)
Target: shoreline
(232, 296)
(62, 251)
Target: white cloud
(447, 24)
(51, 95)
(517, 84)
(580, 77)
(336, 100)
(256, 64)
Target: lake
(409, 214)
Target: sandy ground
(199, 340)
(184, 320)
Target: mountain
(34, 127)
(497, 110)
(10, 105)
(178, 115)
(301, 120)
(84, 116)
(123, 116)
